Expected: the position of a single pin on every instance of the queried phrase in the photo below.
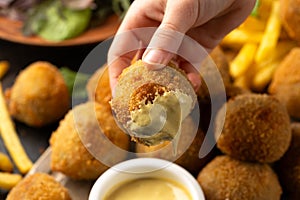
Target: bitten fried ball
(290, 17)
(227, 178)
(285, 85)
(39, 95)
(39, 186)
(288, 167)
(87, 133)
(167, 89)
(256, 128)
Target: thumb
(169, 35)
(162, 47)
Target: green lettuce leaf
(254, 12)
(55, 22)
(76, 82)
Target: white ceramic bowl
(144, 168)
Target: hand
(205, 21)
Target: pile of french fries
(8, 179)
(261, 44)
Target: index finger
(120, 54)
(116, 67)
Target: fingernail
(156, 59)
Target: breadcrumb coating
(145, 94)
(290, 18)
(133, 77)
(39, 186)
(285, 85)
(256, 128)
(227, 178)
(288, 167)
(73, 158)
(39, 95)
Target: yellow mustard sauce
(149, 189)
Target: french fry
(8, 180)
(11, 139)
(264, 76)
(242, 82)
(265, 9)
(239, 37)
(5, 163)
(264, 70)
(253, 24)
(4, 66)
(243, 60)
(271, 34)
(282, 48)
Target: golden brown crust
(70, 156)
(39, 186)
(227, 178)
(172, 78)
(39, 95)
(136, 75)
(145, 94)
(99, 91)
(98, 87)
(285, 85)
(290, 17)
(218, 57)
(288, 167)
(233, 91)
(256, 128)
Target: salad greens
(54, 22)
(120, 7)
(254, 12)
(77, 79)
(57, 20)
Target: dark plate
(19, 55)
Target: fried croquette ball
(228, 178)
(140, 90)
(290, 17)
(219, 59)
(187, 150)
(285, 85)
(38, 186)
(288, 167)
(85, 134)
(98, 87)
(39, 95)
(216, 66)
(233, 91)
(256, 128)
